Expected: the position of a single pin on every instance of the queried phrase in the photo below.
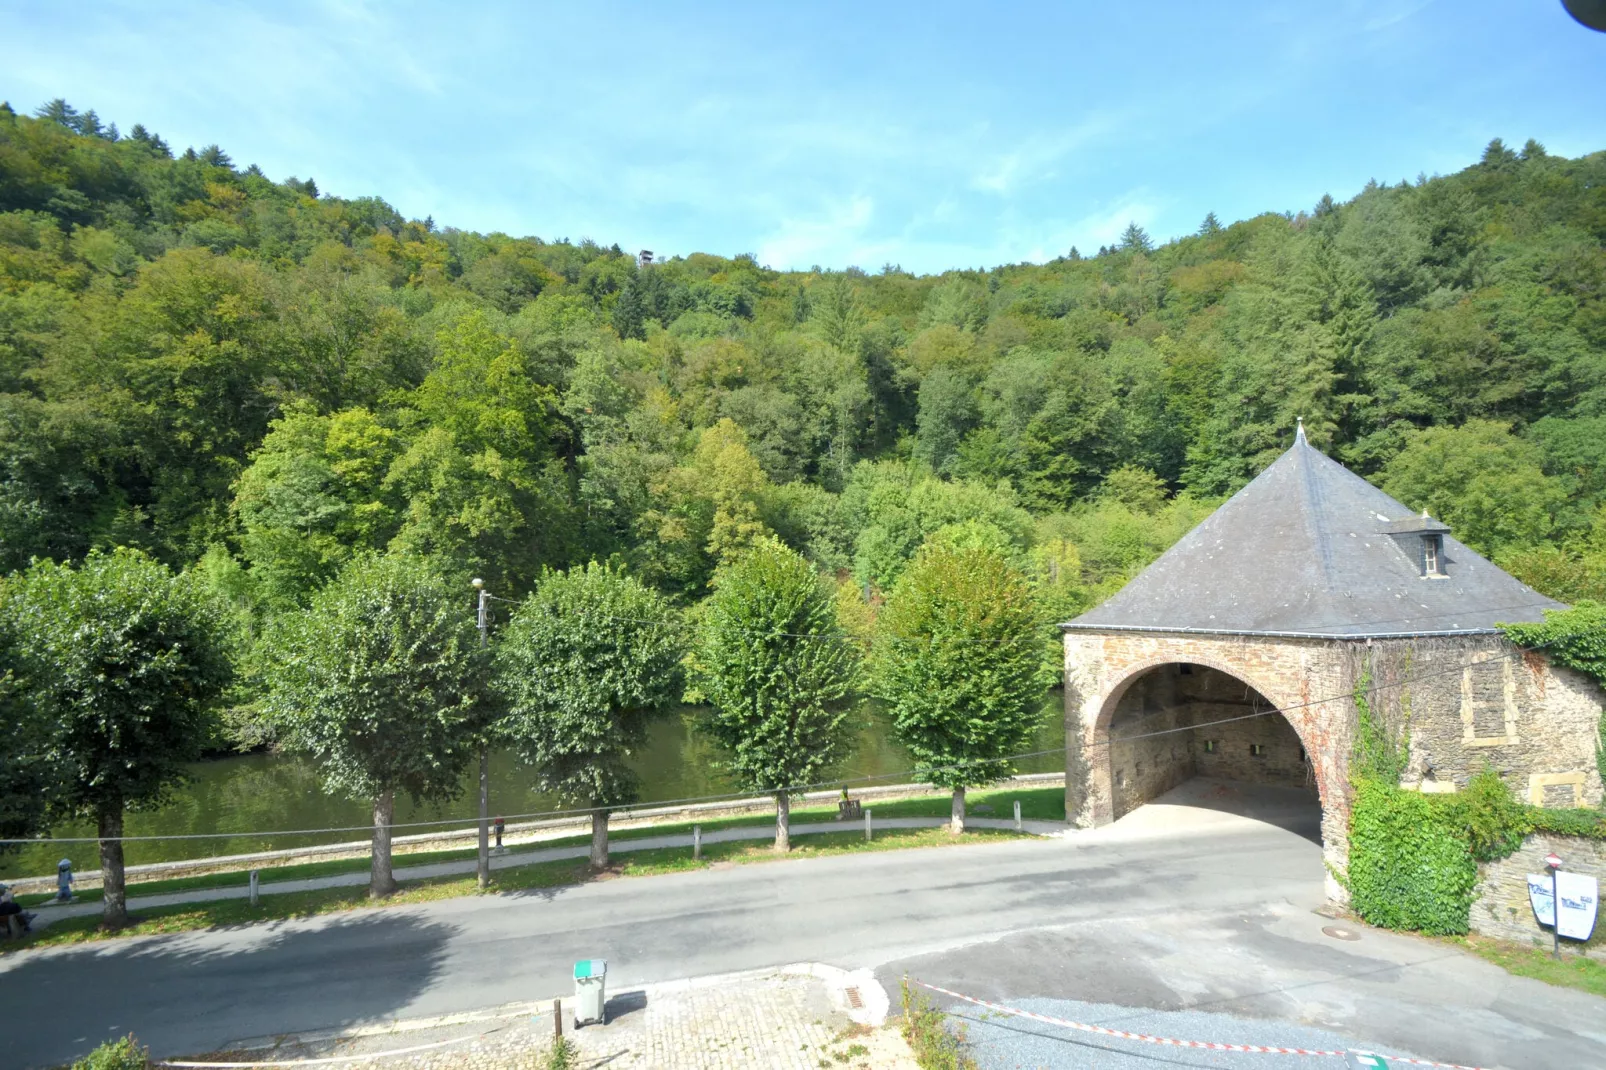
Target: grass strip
(1037, 804)
(190, 917)
(1570, 971)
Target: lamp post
(1553, 860)
(482, 866)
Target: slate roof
(1311, 549)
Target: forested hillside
(254, 378)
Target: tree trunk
(381, 881)
(599, 838)
(482, 869)
(783, 823)
(957, 823)
(114, 901)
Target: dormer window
(1433, 555)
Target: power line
(797, 788)
(1029, 638)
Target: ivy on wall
(1413, 858)
(1409, 867)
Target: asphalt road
(1230, 898)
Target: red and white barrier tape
(1206, 1045)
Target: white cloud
(836, 236)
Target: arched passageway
(1178, 721)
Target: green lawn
(193, 916)
(1041, 804)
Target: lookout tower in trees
(1238, 654)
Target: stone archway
(1169, 723)
(1302, 679)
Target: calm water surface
(256, 793)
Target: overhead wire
(1108, 741)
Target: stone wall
(1502, 910)
(1477, 702)
(1461, 702)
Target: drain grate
(854, 1000)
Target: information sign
(1539, 895)
(1578, 894)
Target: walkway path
(357, 878)
(797, 1017)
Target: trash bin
(590, 977)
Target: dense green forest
(257, 380)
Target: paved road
(49, 913)
(1016, 919)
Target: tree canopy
(197, 359)
(956, 664)
(121, 662)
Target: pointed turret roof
(1308, 548)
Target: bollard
(255, 885)
(697, 841)
(1017, 815)
(867, 824)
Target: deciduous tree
(587, 657)
(124, 661)
(771, 663)
(380, 681)
(958, 661)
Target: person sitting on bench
(9, 909)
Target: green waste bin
(590, 977)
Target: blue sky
(925, 134)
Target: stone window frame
(1538, 782)
(1469, 733)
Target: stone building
(1239, 652)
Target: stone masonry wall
(1502, 910)
(1461, 702)
(1478, 702)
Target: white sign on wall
(1540, 897)
(1578, 894)
(1580, 897)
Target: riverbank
(532, 870)
(255, 804)
(551, 832)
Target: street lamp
(482, 866)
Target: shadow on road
(1195, 802)
(201, 991)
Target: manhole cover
(1338, 932)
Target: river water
(258, 796)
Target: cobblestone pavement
(799, 1017)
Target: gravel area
(1004, 1042)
